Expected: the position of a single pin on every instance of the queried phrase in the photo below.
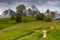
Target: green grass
(28, 19)
(2, 26)
(35, 36)
(6, 22)
(53, 35)
(13, 35)
(10, 30)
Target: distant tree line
(47, 16)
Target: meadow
(28, 29)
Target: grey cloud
(41, 4)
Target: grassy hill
(28, 29)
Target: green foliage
(19, 11)
(18, 17)
(40, 16)
(48, 19)
(20, 8)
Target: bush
(40, 16)
(13, 17)
(48, 19)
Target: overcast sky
(42, 5)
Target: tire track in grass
(13, 35)
(25, 36)
(32, 32)
(30, 35)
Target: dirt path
(44, 34)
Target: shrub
(48, 19)
(40, 16)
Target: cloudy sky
(42, 5)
